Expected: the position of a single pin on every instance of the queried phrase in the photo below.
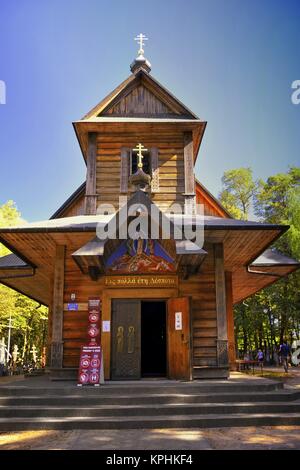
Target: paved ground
(270, 438)
(266, 437)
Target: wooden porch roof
(244, 242)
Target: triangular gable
(141, 96)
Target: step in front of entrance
(74, 400)
(155, 411)
(145, 388)
(147, 422)
(148, 405)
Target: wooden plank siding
(170, 161)
(140, 101)
(201, 288)
(75, 323)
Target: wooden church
(167, 304)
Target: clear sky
(231, 61)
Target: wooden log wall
(201, 288)
(76, 322)
(171, 166)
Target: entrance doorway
(153, 339)
(139, 345)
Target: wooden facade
(202, 286)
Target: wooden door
(126, 340)
(179, 338)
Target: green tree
(238, 191)
(265, 318)
(29, 319)
(9, 216)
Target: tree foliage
(238, 191)
(29, 318)
(264, 319)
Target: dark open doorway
(153, 339)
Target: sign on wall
(178, 320)
(141, 281)
(91, 358)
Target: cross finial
(139, 149)
(141, 38)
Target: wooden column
(49, 337)
(58, 308)
(90, 193)
(230, 321)
(189, 179)
(222, 339)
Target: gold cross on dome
(139, 149)
(141, 38)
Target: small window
(134, 162)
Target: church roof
(272, 257)
(175, 106)
(83, 223)
(140, 100)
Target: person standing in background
(284, 352)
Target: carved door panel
(126, 339)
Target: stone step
(141, 399)
(155, 411)
(150, 422)
(188, 388)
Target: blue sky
(231, 61)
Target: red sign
(94, 310)
(91, 354)
(90, 365)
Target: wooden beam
(90, 194)
(222, 338)
(189, 179)
(230, 320)
(58, 308)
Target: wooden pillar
(222, 338)
(90, 193)
(58, 308)
(230, 321)
(49, 336)
(189, 179)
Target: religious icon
(140, 256)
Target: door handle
(185, 341)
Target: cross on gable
(139, 149)
(140, 38)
